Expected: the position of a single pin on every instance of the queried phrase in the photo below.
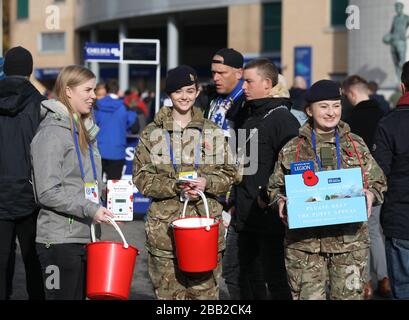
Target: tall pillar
(173, 43)
(123, 67)
(94, 66)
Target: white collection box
(120, 199)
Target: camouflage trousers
(170, 283)
(318, 276)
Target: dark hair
(267, 69)
(112, 86)
(355, 80)
(405, 75)
(373, 86)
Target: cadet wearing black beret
(179, 77)
(323, 90)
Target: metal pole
(93, 65)
(157, 94)
(123, 67)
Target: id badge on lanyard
(91, 192)
(187, 175)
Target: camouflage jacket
(155, 176)
(335, 238)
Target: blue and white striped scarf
(220, 106)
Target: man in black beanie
(19, 119)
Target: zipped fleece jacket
(65, 215)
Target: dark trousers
(25, 230)
(397, 258)
(261, 259)
(64, 270)
(113, 168)
(241, 288)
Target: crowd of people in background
(55, 148)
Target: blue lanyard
(314, 145)
(197, 152)
(77, 149)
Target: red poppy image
(310, 179)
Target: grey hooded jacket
(65, 215)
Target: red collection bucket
(196, 241)
(110, 267)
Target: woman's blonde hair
(74, 76)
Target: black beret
(180, 77)
(323, 90)
(231, 58)
(18, 61)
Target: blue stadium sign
(303, 63)
(108, 52)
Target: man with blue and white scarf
(227, 111)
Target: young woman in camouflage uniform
(156, 170)
(338, 253)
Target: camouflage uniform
(172, 284)
(337, 252)
(158, 181)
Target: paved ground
(135, 235)
(141, 287)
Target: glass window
(338, 14)
(22, 9)
(52, 42)
(272, 27)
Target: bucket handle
(114, 224)
(202, 195)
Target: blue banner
(303, 63)
(101, 51)
(46, 73)
(141, 204)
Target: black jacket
(364, 119)
(392, 154)
(275, 129)
(19, 119)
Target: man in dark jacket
(366, 113)
(363, 121)
(269, 126)
(391, 151)
(226, 110)
(19, 119)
